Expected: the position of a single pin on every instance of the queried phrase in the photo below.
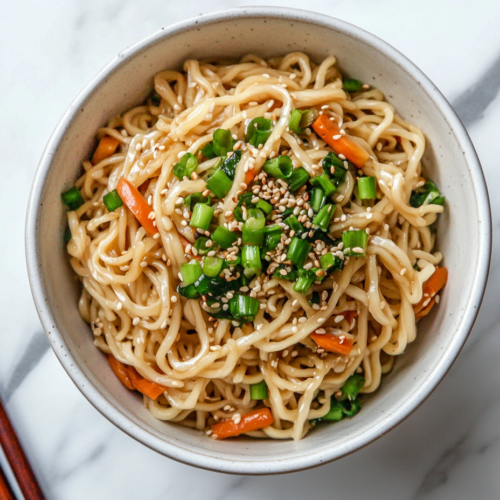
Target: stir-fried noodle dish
(255, 244)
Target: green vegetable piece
(244, 308)
(330, 262)
(367, 188)
(219, 183)
(208, 151)
(426, 195)
(353, 386)
(350, 408)
(317, 197)
(258, 391)
(212, 266)
(229, 164)
(186, 166)
(272, 236)
(223, 237)
(250, 258)
(112, 200)
(279, 168)
(323, 181)
(297, 251)
(352, 85)
(201, 245)
(258, 131)
(334, 167)
(223, 142)
(336, 412)
(253, 231)
(355, 243)
(266, 207)
(191, 271)
(72, 198)
(194, 198)
(324, 217)
(297, 179)
(202, 215)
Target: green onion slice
(212, 266)
(201, 245)
(253, 231)
(324, 182)
(194, 198)
(250, 258)
(244, 308)
(72, 198)
(202, 215)
(259, 391)
(352, 85)
(297, 179)
(112, 200)
(353, 386)
(219, 183)
(223, 142)
(355, 243)
(191, 271)
(317, 197)
(258, 131)
(324, 217)
(279, 168)
(367, 188)
(186, 166)
(223, 237)
(297, 251)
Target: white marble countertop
(448, 449)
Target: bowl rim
(147, 436)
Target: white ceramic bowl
(450, 159)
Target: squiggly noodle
(129, 278)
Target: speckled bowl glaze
(450, 159)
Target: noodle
(130, 276)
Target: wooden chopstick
(6, 492)
(17, 459)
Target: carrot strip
(431, 287)
(120, 370)
(106, 147)
(249, 176)
(136, 204)
(332, 343)
(150, 389)
(329, 131)
(250, 422)
(426, 310)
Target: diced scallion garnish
(191, 271)
(300, 119)
(324, 182)
(353, 386)
(72, 198)
(272, 236)
(355, 243)
(258, 131)
(112, 200)
(219, 183)
(244, 308)
(202, 215)
(250, 258)
(324, 217)
(297, 251)
(297, 179)
(194, 198)
(212, 266)
(427, 194)
(367, 188)
(330, 262)
(352, 85)
(223, 237)
(186, 166)
(253, 230)
(201, 245)
(279, 168)
(334, 167)
(259, 391)
(266, 207)
(317, 198)
(223, 142)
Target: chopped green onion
(355, 243)
(223, 142)
(272, 236)
(315, 299)
(189, 291)
(238, 214)
(336, 412)
(297, 179)
(308, 117)
(350, 408)
(219, 183)
(334, 167)
(191, 271)
(266, 207)
(325, 183)
(229, 164)
(317, 197)
(324, 217)
(215, 286)
(426, 195)
(244, 308)
(67, 235)
(212, 266)
(258, 391)
(208, 151)
(297, 251)
(253, 231)
(258, 131)
(223, 237)
(201, 245)
(352, 85)
(331, 262)
(290, 274)
(367, 188)
(186, 166)
(303, 283)
(250, 258)
(255, 213)
(72, 198)
(279, 168)
(202, 215)
(112, 200)
(294, 121)
(353, 386)
(194, 198)
(294, 224)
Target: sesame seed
(321, 320)
(136, 321)
(357, 250)
(339, 318)
(336, 137)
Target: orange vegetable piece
(332, 343)
(136, 204)
(106, 147)
(150, 389)
(328, 129)
(349, 315)
(120, 370)
(431, 287)
(250, 422)
(249, 176)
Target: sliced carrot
(150, 389)
(332, 343)
(136, 204)
(426, 310)
(120, 370)
(249, 176)
(431, 287)
(250, 422)
(106, 147)
(342, 144)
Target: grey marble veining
(448, 449)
